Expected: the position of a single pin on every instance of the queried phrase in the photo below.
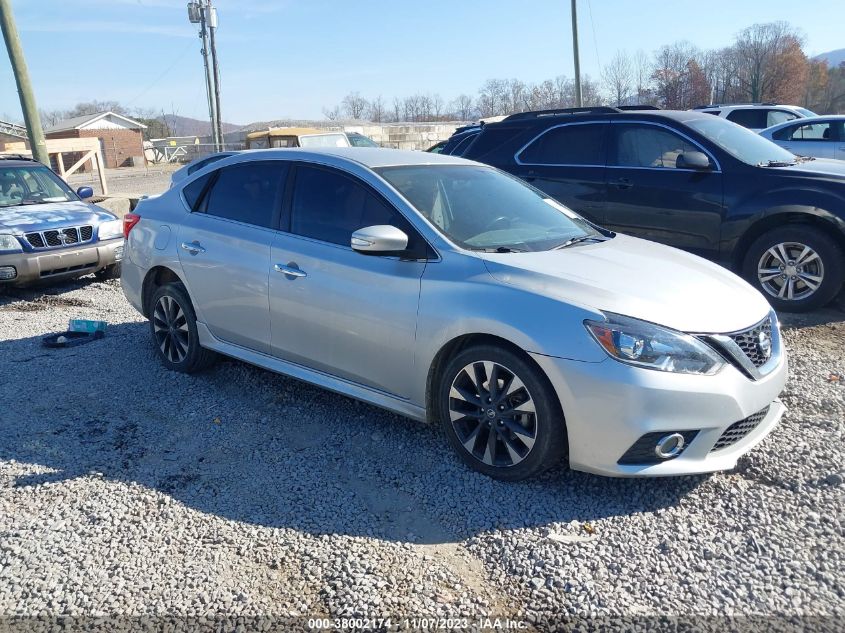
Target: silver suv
(757, 116)
(441, 288)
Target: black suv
(690, 180)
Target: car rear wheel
(797, 268)
(173, 326)
(500, 413)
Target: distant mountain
(833, 58)
(186, 126)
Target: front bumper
(608, 406)
(61, 263)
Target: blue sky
(283, 58)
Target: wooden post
(60, 162)
(99, 160)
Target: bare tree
(618, 77)
(397, 109)
(376, 111)
(464, 108)
(332, 114)
(436, 107)
(642, 76)
(760, 48)
(354, 105)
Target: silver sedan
(818, 137)
(445, 289)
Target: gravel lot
(126, 489)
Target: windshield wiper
(776, 163)
(578, 240)
(499, 249)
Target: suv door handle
(624, 183)
(193, 247)
(291, 270)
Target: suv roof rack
(638, 107)
(16, 157)
(736, 103)
(537, 114)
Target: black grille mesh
(35, 240)
(738, 430)
(748, 342)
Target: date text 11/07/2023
(418, 624)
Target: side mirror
(381, 238)
(84, 192)
(693, 160)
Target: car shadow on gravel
(251, 446)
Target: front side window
(578, 144)
(648, 146)
(481, 208)
(247, 192)
(330, 206)
(808, 132)
(32, 185)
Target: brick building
(121, 138)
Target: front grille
(738, 430)
(56, 238)
(68, 269)
(749, 342)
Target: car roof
(370, 157)
(811, 120)
(546, 119)
(16, 160)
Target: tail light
(129, 222)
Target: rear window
(575, 144)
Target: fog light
(8, 272)
(669, 446)
(118, 253)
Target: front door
(649, 197)
(224, 249)
(568, 163)
(336, 310)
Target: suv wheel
(797, 268)
(173, 325)
(500, 414)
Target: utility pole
(578, 100)
(211, 19)
(197, 15)
(30, 111)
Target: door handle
(291, 270)
(193, 247)
(624, 183)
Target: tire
(540, 442)
(178, 346)
(109, 272)
(813, 267)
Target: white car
(756, 116)
(823, 137)
(444, 289)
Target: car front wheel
(500, 413)
(797, 268)
(173, 326)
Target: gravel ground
(126, 489)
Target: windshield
(481, 208)
(806, 112)
(22, 185)
(740, 142)
(359, 140)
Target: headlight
(647, 345)
(9, 243)
(111, 229)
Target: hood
(53, 215)
(640, 279)
(824, 167)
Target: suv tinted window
(578, 144)
(247, 193)
(330, 206)
(648, 146)
(755, 118)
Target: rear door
(649, 197)
(334, 309)
(224, 249)
(567, 162)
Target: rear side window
(193, 191)
(579, 144)
(330, 206)
(248, 192)
(773, 117)
(806, 132)
(648, 146)
(750, 117)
